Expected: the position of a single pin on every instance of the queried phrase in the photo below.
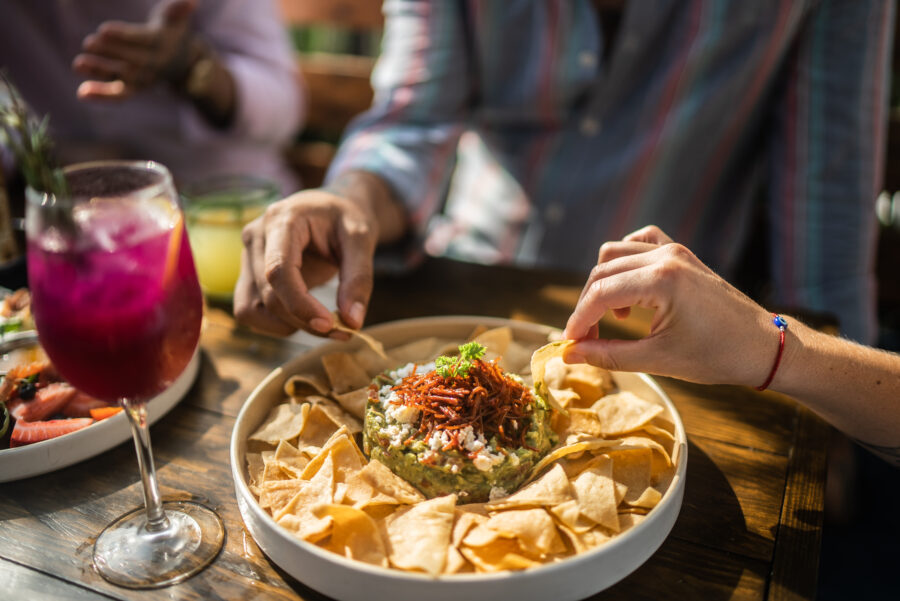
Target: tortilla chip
(319, 427)
(456, 563)
(300, 385)
(571, 449)
(595, 493)
(278, 470)
(354, 402)
(297, 515)
(502, 554)
(362, 495)
(382, 479)
(418, 351)
(532, 528)
(419, 535)
(538, 365)
(373, 344)
(581, 421)
(517, 358)
(276, 494)
(463, 523)
(624, 412)
(550, 489)
(649, 499)
(569, 514)
(588, 381)
(495, 341)
(344, 373)
(336, 414)
(585, 541)
(632, 468)
(255, 467)
(353, 534)
(341, 449)
(371, 361)
(285, 421)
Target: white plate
(573, 578)
(63, 451)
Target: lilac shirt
(40, 38)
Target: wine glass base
(128, 555)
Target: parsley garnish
(452, 367)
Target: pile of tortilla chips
(612, 466)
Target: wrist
(208, 84)
(374, 196)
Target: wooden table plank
(235, 361)
(711, 576)
(739, 416)
(732, 498)
(800, 532)
(26, 584)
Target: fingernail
(357, 313)
(320, 324)
(574, 357)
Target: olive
(26, 390)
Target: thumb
(616, 355)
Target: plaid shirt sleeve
(422, 88)
(827, 163)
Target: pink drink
(119, 313)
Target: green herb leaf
(451, 367)
(471, 351)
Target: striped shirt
(512, 138)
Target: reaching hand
(704, 330)
(121, 58)
(299, 243)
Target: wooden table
(750, 525)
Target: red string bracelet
(782, 325)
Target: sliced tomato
(46, 402)
(30, 432)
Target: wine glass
(118, 308)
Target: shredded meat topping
(486, 399)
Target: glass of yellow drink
(217, 210)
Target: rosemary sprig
(29, 140)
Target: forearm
(377, 198)
(856, 388)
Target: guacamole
(477, 433)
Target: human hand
(299, 243)
(704, 330)
(121, 58)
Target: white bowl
(573, 578)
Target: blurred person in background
(205, 87)
(566, 124)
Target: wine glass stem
(137, 417)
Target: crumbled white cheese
(485, 460)
(497, 493)
(402, 414)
